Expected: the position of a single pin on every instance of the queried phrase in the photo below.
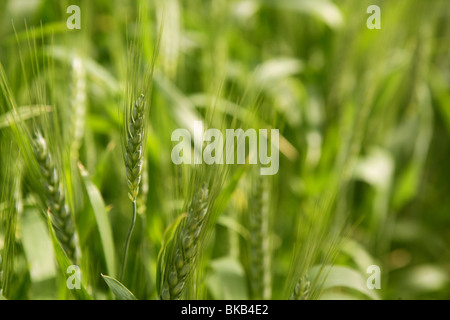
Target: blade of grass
(101, 217)
(340, 276)
(120, 291)
(25, 113)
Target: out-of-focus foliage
(364, 119)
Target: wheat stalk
(58, 209)
(78, 103)
(259, 241)
(180, 264)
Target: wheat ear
(134, 160)
(58, 209)
(302, 289)
(181, 263)
(134, 156)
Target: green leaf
(120, 291)
(234, 225)
(323, 10)
(272, 71)
(97, 72)
(227, 280)
(64, 263)
(358, 253)
(337, 295)
(440, 92)
(23, 113)
(37, 245)
(101, 217)
(340, 276)
(183, 110)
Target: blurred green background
(363, 114)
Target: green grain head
(301, 289)
(55, 201)
(134, 153)
(180, 262)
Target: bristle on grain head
(135, 147)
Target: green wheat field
(92, 205)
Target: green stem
(127, 243)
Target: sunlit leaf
(119, 290)
(227, 280)
(345, 277)
(22, 113)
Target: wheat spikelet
(135, 147)
(302, 289)
(58, 209)
(180, 264)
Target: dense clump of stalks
(259, 251)
(301, 289)
(59, 212)
(181, 260)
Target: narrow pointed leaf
(120, 291)
(101, 217)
